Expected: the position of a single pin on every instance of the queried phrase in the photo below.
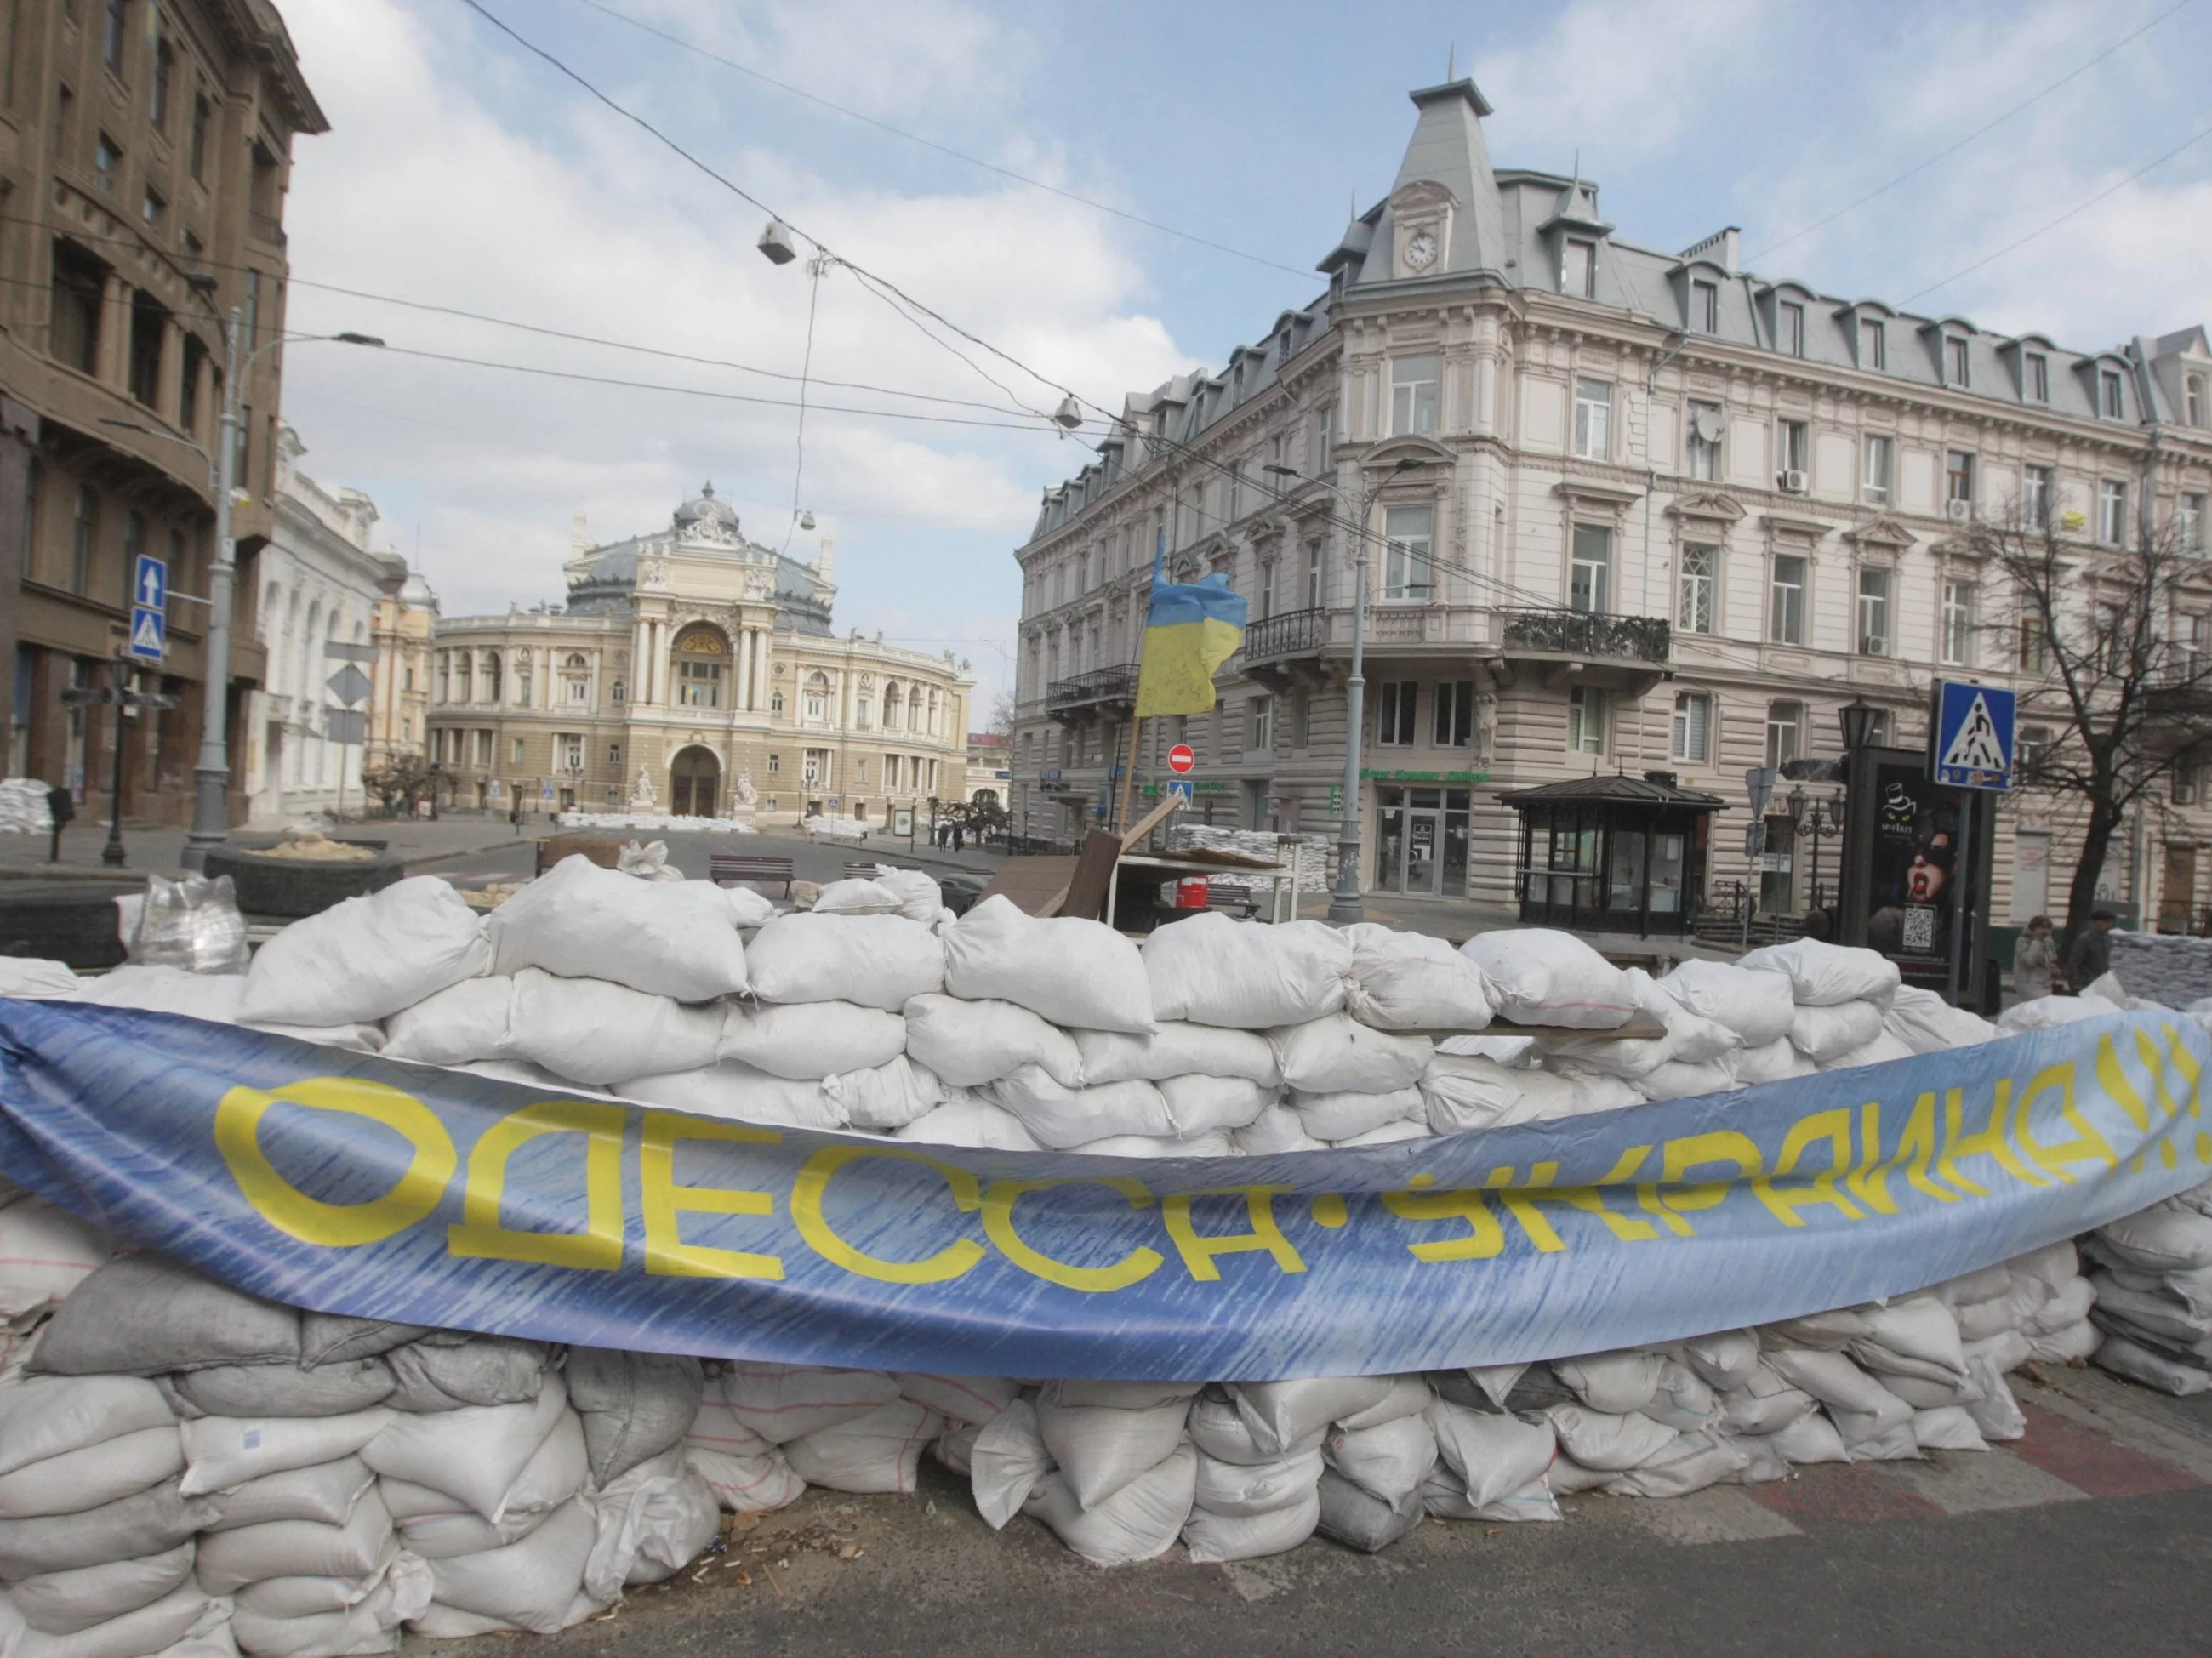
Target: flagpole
(1136, 719)
(1129, 772)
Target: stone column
(114, 353)
(18, 438)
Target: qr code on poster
(1919, 928)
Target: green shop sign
(1204, 785)
(1425, 776)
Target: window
(614, 755)
(2037, 378)
(572, 751)
(1260, 725)
(188, 383)
(1786, 613)
(2193, 401)
(64, 123)
(1585, 720)
(1955, 361)
(1394, 713)
(2108, 403)
(2196, 654)
(1874, 613)
(80, 287)
(2029, 746)
(515, 753)
(1790, 329)
(1578, 269)
(1413, 395)
(1408, 532)
(2183, 782)
(1454, 718)
(775, 764)
(484, 750)
(1705, 441)
(2188, 522)
(1873, 344)
(1263, 600)
(1958, 479)
(106, 162)
(577, 689)
(1300, 718)
(1594, 420)
(1959, 623)
(1313, 575)
(149, 329)
(2111, 512)
(84, 538)
(2034, 640)
(1694, 609)
(164, 68)
(814, 768)
(1880, 468)
(113, 35)
(1589, 586)
(1693, 727)
(1791, 446)
(2035, 497)
(203, 113)
(816, 707)
(1785, 732)
(1705, 307)
(1324, 451)
(615, 691)
(890, 773)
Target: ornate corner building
(695, 672)
(1623, 510)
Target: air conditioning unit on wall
(1960, 512)
(1793, 482)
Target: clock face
(1421, 250)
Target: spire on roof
(1447, 152)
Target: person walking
(2034, 960)
(2091, 957)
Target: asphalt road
(2093, 1534)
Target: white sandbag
(146, 1314)
(780, 1402)
(1244, 1491)
(1947, 1428)
(1177, 1049)
(473, 1455)
(740, 1094)
(1008, 1463)
(1277, 1128)
(749, 908)
(1099, 1449)
(369, 1624)
(1757, 1006)
(877, 961)
(145, 1522)
(535, 1584)
(1824, 1032)
(634, 1406)
(1823, 974)
(1463, 1092)
(215, 997)
(1687, 1037)
(162, 1626)
(1337, 1055)
(1220, 1429)
(1517, 1051)
(1490, 1457)
(1214, 1144)
(974, 1399)
(325, 1492)
(1358, 1520)
(971, 1119)
(361, 1036)
(338, 1389)
(1335, 1117)
(1776, 1061)
(592, 1030)
(471, 1020)
(1388, 1133)
(91, 1475)
(1246, 975)
(1880, 1051)
(889, 1095)
(1580, 1091)
(1545, 977)
(1683, 1399)
(1612, 1444)
(756, 1483)
(44, 1253)
(1809, 1439)
(1284, 1414)
(1680, 1080)
(2153, 1369)
(1764, 1403)
(878, 1453)
(437, 1526)
(448, 1370)
(2070, 1344)
(1409, 981)
(1386, 1460)
(860, 895)
(653, 1521)
(64, 1602)
(1725, 1358)
(2043, 1013)
(1409, 1395)
(1061, 1117)
(30, 979)
(1694, 1461)
(676, 938)
(1075, 973)
(224, 1452)
(1915, 1337)
(2166, 1237)
(228, 1560)
(1139, 1522)
(1926, 1024)
(1202, 1105)
(1214, 1539)
(1832, 1378)
(808, 1039)
(920, 898)
(367, 958)
(1616, 1383)
(968, 1043)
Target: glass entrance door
(1420, 845)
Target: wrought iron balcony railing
(1574, 633)
(1099, 686)
(1294, 632)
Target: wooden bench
(728, 868)
(860, 869)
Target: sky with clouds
(462, 172)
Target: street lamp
(1344, 905)
(1857, 717)
(211, 771)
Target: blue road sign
(1971, 745)
(149, 610)
(150, 583)
(149, 634)
(1182, 785)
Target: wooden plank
(1094, 873)
(1036, 885)
(1137, 831)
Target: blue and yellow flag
(1194, 628)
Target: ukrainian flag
(1194, 628)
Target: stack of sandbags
(1693, 1055)
(1262, 1459)
(1760, 1007)
(23, 806)
(655, 1512)
(364, 959)
(1541, 976)
(1111, 1469)
(1348, 1084)
(2153, 1293)
(1409, 981)
(1842, 996)
(45, 1253)
(769, 1429)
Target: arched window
(615, 691)
(576, 663)
(523, 669)
(913, 708)
(464, 667)
(817, 707)
(445, 677)
(2195, 399)
(890, 705)
(702, 658)
(492, 682)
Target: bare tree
(2112, 648)
(1001, 720)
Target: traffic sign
(348, 727)
(336, 652)
(1181, 786)
(1759, 784)
(1970, 736)
(149, 634)
(150, 582)
(1181, 758)
(349, 684)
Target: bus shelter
(1613, 854)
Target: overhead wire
(814, 270)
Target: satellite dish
(1707, 424)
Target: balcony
(1091, 693)
(267, 227)
(1294, 632)
(1573, 633)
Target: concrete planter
(71, 921)
(288, 888)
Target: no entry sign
(1181, 759)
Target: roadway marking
(2091, 1462)
(1975, 1482)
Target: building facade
(1619, 509)
(693, 671)
(401, 629)
(145, 156)
(320, 585)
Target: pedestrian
(2091, 956)
(956, 837)
(2033, 961)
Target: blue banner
(348, 1184)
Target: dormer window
(1705, 307)
(1578, 269)
(2192, 399)
(1955, 371)
(2036, 378)
(2109, 402)
(1790, 329)
(1873, 344)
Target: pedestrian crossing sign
(1970, 736)
(148, 635)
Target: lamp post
(1345, 907)
(211, 771)
(1857, 719)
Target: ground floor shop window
(1421, 844)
